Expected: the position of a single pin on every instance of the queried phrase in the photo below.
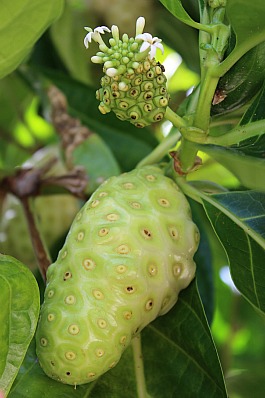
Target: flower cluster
(133, 86)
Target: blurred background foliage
(60, 58)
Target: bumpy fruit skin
(140, 98)
(128, 254)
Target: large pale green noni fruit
(127, 256)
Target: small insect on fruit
(128, 254)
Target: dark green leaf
(239, 220)
(254, 146)
(19, 298)
(242, 82)
(16, 39)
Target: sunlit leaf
(176, 8)
(21, 27)
(19, 298)
(248, 170)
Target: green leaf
(242, 82)
(249, 170)
(179, 358)
(247, 19)
(67, 35)
(21, 27)
(19, 297)
(172, 32)
(176, 8)
(254, 146)
(97, 159)
(239, 220)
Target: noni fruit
(134, 83)
(128, 254)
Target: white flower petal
(152, 52)
(141, 36)
(144, 46)
(88, 39)
(156, 40)
(160, 46)
(102, 29)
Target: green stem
(187, 154)
(139, 367)
(238, 134)
(208, 87)
(161, 150)
(175, 119)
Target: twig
(38, 244)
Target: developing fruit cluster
(134, 84)
(128, 254)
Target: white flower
(149, 41)
(95, 34)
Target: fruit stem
(139, 367)
(161, 150)
(175, 119)
(38, 244)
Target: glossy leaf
(16, 38)
(239, 220)
(19, 298)
(254, 146)
(177, 348)
(242, 82)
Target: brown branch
(38, 244)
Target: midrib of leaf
(238, 221)
(252, 270)
(183, 351)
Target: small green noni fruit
(128, 254)
(134, 84)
